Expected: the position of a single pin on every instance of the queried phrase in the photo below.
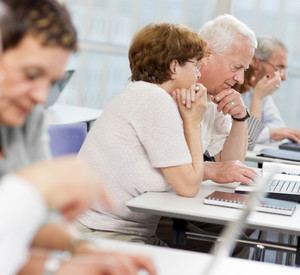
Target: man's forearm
(236, 144)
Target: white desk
(177, 262)
(63, 114)
(169, 204)
(252, 155)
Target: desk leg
(178, 233)
(89, 125)
(259, 250)
(259, 253)
(289, 256)
(298, 251)
(279, 254)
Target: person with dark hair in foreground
(38, 37)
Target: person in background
(146, 139)
(255, 125)
(270, 70)
(38, 38)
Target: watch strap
(243, 118)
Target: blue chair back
(66, 138)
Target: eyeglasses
(281, 69)
(197, 65)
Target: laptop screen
(57, 88)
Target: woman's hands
(192, 103)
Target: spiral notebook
(235, 200)
(224, 247)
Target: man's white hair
(225, 29)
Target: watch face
(52, 265)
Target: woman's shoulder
(145, 86)
(141, 91)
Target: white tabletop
(178, 262)
(63, 114)
(169, 204)
(252, 155)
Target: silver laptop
(282, 186)
(285, 187)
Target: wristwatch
(243, 118)
(54, 260)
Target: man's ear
(209, 53)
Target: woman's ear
(173, 67)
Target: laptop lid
(280, 154)
(292, 146)
(58, 87)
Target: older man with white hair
(224, 128)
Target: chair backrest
(66, 138)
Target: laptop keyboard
(284, 186)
